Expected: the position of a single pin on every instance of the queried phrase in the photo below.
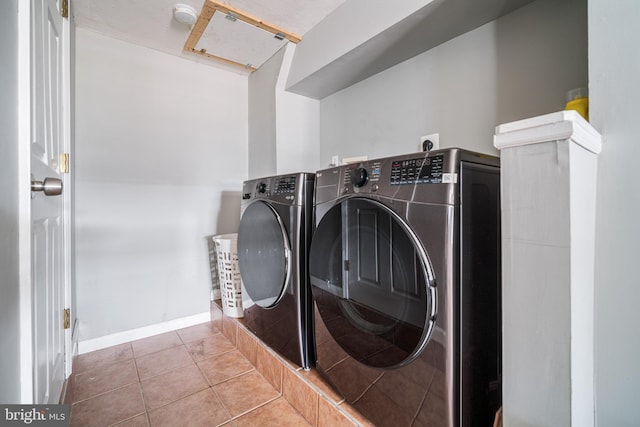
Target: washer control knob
(262, 187)
(359, 177)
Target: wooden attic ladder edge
(208, 9)
(198, 29)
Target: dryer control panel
(421, 170)
(435, 173)
(291, 189)
(285, 185)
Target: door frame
(26, 297)
(67, 195)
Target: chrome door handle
(50, 186)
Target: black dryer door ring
(264, 254)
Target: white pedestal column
(548, 184)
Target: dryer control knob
(359, 177)
(262, 187)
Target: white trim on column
(557, 126)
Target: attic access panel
(235, 37)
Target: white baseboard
(146, 331)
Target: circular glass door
(263, 254)
(373, 283)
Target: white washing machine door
(264, 254)
(369, 270)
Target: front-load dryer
(274, 236)
(405, 274)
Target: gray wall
(161, 153)
(614, 67)
(9, 277)
(519, 66)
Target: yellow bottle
(577, 99)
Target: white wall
(161, 153)
(518, 66)
(297, 125)
(262, 118)
(614, 67)
(9, 277)
(284, 127)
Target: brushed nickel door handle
(50, 186)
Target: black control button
(359, 177)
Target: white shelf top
(567, 124)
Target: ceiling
(150, 23)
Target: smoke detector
(185, 14)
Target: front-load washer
(274, 236)
(405, 274)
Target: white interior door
(44, 286)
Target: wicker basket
(226, 253)
(213, 265)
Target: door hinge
(64, 8)
(347, 264)
(64, 163)
(67, 318)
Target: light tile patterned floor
(215, 373)
(189, 377)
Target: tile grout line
(107, 391)
(227, 324)
(285, 365)
(238, 326)
(203, 374)
(103, 393)
(235, 334)
(176, 400)
(215, 355)
(233, 377)
(144, 403)
(166, 371)
(215, 393)
(145, 412)
(104, 366)
(148, 411)
(248, 411)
